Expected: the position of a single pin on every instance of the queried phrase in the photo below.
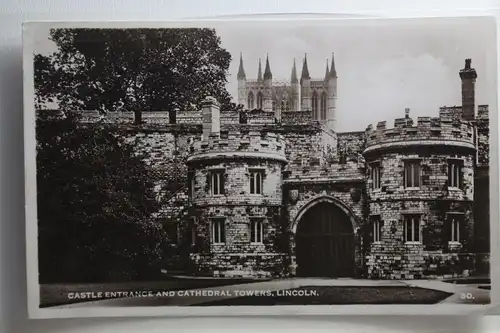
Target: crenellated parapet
(240, 142)
(445, 130)
(297, 117)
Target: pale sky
(383, 66)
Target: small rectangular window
(217, 182)
(413, 230)
(455, 174)
(191, 185)
(256, 182)
(375, 176)
(412, 174)
(172, 230)
(192, 231)
(376, 229)
(454, 226)
(219, 231)
(256, 231)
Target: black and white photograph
(260, 167)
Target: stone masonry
(238, 188)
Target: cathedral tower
(305, 83)
(468, 76)
(242, 80)
(332, 96)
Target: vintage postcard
(234, 167)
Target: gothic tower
(468, 76)
(332, 96)
(242, 80)
(305, 83)
(268, 96)
(295, 89)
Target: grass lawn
(57, 294)
(331, 295)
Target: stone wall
(483, 135)
(309, 148)
(351, 146)
(482, 182)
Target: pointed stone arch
(321, 199)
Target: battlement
(483, 112)
(240, 141)
(445, 130)
(296, 117)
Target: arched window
(274, 105)
(323, 106)
(314, 104)
(250, 101)
(260, 98)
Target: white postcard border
(29, 39)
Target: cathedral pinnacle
(259, 74)
(333, 71)
(241, 71)
(327, 73)
(305, 70)
(294, 73)
(267, 72)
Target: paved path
(462, 294)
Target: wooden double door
(325, 243)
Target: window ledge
(256, 243)
(413, 243)
(455, 243)
(412, 188)
(454, 188)
(377, 242)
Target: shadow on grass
(58, 294)
(332, 295)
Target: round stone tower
(236, 195)
(420, 193)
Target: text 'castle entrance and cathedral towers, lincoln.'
(276, 190)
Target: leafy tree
(95, 205)
(133, 69)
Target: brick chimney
(211, 117)
(468, 76)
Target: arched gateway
(325, 241)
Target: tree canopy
(133, 69)
(95, 205)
